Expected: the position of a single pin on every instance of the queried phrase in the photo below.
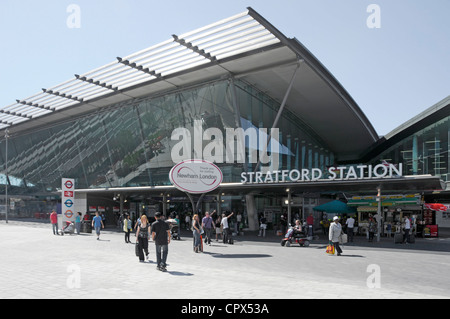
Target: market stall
(393, 210)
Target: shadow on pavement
(179, 273)
(215, 255)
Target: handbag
(330, 249)
(136, 249)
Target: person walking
(208, 226)
(373, 227)
(407, 230)
(187, 221)
(138, 222)
(227, 235)
(262, 226)
(97, 224)
(54, 221)
(238, 223)
(350, 225)
(127, 227)
(196, 231)
(161, 237)
(218, 228)
(177, 219)
(334, 234)
(142, 237)
(78, 223)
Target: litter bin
(86, 227)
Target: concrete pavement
(37, 264)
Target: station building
(284, 132)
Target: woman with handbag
(335, 233)
(196, 230)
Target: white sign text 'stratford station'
(334, 173)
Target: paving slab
(37, 264)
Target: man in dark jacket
(161, 237)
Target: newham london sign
(196, 176)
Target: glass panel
(129, 144)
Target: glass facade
(424, 152)
(129, 144)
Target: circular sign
(196, 176)
(68, 184)
(68, 213)
(68, 203)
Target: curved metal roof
(243, 46)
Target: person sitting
(298, 228)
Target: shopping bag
(330, 249)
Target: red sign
(431, 231)
(68, 194)
(436, 206)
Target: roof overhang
(244, 46)
(428, 117)
(406, 184)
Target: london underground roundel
(196, 176)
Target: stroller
(294, 236)
(68, 229)
(174, 229)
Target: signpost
(196, 177)
(67, 200)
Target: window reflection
(129, 144)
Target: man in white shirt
(407, 229)
(226, 230)
(350, 225)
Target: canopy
(436, 206)
(335, 207)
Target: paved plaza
(37, 264)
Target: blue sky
(393, 72)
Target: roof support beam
(34, 105)
(70, 97)
(104, 85)
(190, 46)
(16, 114)
(277, 118)
(139, 68)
